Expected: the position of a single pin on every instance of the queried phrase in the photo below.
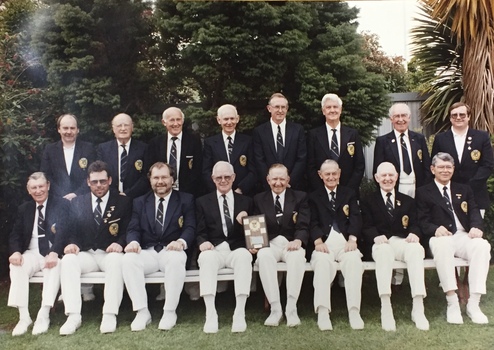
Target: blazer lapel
(393, 145)
(151, 212)
(75, 161)
(170, 209)
(322, 136)
(288, 207)
(220, 148)
(468, 143)
(450, 143)
(61, 157)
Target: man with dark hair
(471, 151)
(36, 243)
(96, 237)
(161, 229)
(448, 215)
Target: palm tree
(454, 45)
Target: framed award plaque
(256, 234)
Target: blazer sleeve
(300, 166)
(359, 161)
(260, 158)
(484, 171)
(16, 237)
(303, 220)
(134, 228)
(207, 166)
(379, 154)
(202, 226)
(424, 212)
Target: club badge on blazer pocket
(350, 147)
(243, 160)
(83, 163)
(346, 210)
(404, 221)
(138, 165)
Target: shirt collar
(329, 128)
(127, 145)
(225, 136)
(455, 134)
(398, 134)
(275, 126)
(179, 136)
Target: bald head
(386, 176)
(228, 118)
(122, 126)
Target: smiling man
(232, 147)
(449, 217)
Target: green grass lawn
(188, 334)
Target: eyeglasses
(283, 108)
(120, 126)
(444, 167)
(458, 115)
(396, 116)
(101, 182)
(226, 178)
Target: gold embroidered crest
(83, 163)
(419, 154)
(113, 229)
(138, 165)
(464, 206)
(346, 210)
(294, 217)
(475, 155)
(181, 221)
(243, 160)
(404, 221)
(351, 149)
(191, 162)
(54, 228)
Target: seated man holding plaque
(335, 226)
(221, 241)
(287, 220)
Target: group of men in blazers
(101, 230)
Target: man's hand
(206, 246)
(442, 231)
(320, 246)
(51, 260)
(70, 196)
(380, 239)
(175, 245)
(412, 238)
(294, 245)
(351, 244)
(71, 249)
(240, 216)
(475, 233)
(16, 259)
(133, 247)
(114, 248)
(122, 194)
(253, 251)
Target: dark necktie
(407, 167)
(173, 154)
(332, 202)
(160, 218)
(98, 214)
(228, 218)
(446, 198)
(42, 239)
(123, 163)
(279, 145)
(335, 152)
(230, 148)
(389, 205)
(278, 210)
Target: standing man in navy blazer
(280, 141)
(449, 216)
(125, 158)
(472, 153)
(98, 222)
(408, 153)
(335, 141)
(65, 162)
(233, 147)
(162, 227)
(180, 149)
(335, 226)
(35, 244)
(287, 222)
(221, 240)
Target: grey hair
(445, 157)
(331, 97)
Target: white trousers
(33, 262)
(477, 251)
(399, 249)
(324, 266)
(211, 261)
(73, 265)
(268, 257)
(137, 265)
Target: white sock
(418, 303)
(24, 313)
(240, 305)
(44, 311)
(452, 299)
(291, 303)
(209, 303)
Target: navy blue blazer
(242, 161)
(386, 150)
(135, 183)
(294, 155)
(190, 179)
(433, 212)
(209, 226)
(477, 161)
(351, 160)
(180, 221)
(53, 165)
(86, 234)
(296, 215)
(56, 214)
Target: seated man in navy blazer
(233, 147)
(287, 222)
(65, 162)
(335, 226)
(125, 158)
(221, 241)
(162, 227)
(471, 151)
(391, 227)
(98, 222)
(449, 216)
(36, 243)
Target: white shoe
(388, 322)
(211, 324)
(274, 319)
(292, 319)
(420, 320)
(476, 315)
(41, 325)
(356, 321)
(142, 319)
(71, 325)
(324, 322)
(453, 314)
(21, 327)
(168, 320)
(239, 325)
(108, 323)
